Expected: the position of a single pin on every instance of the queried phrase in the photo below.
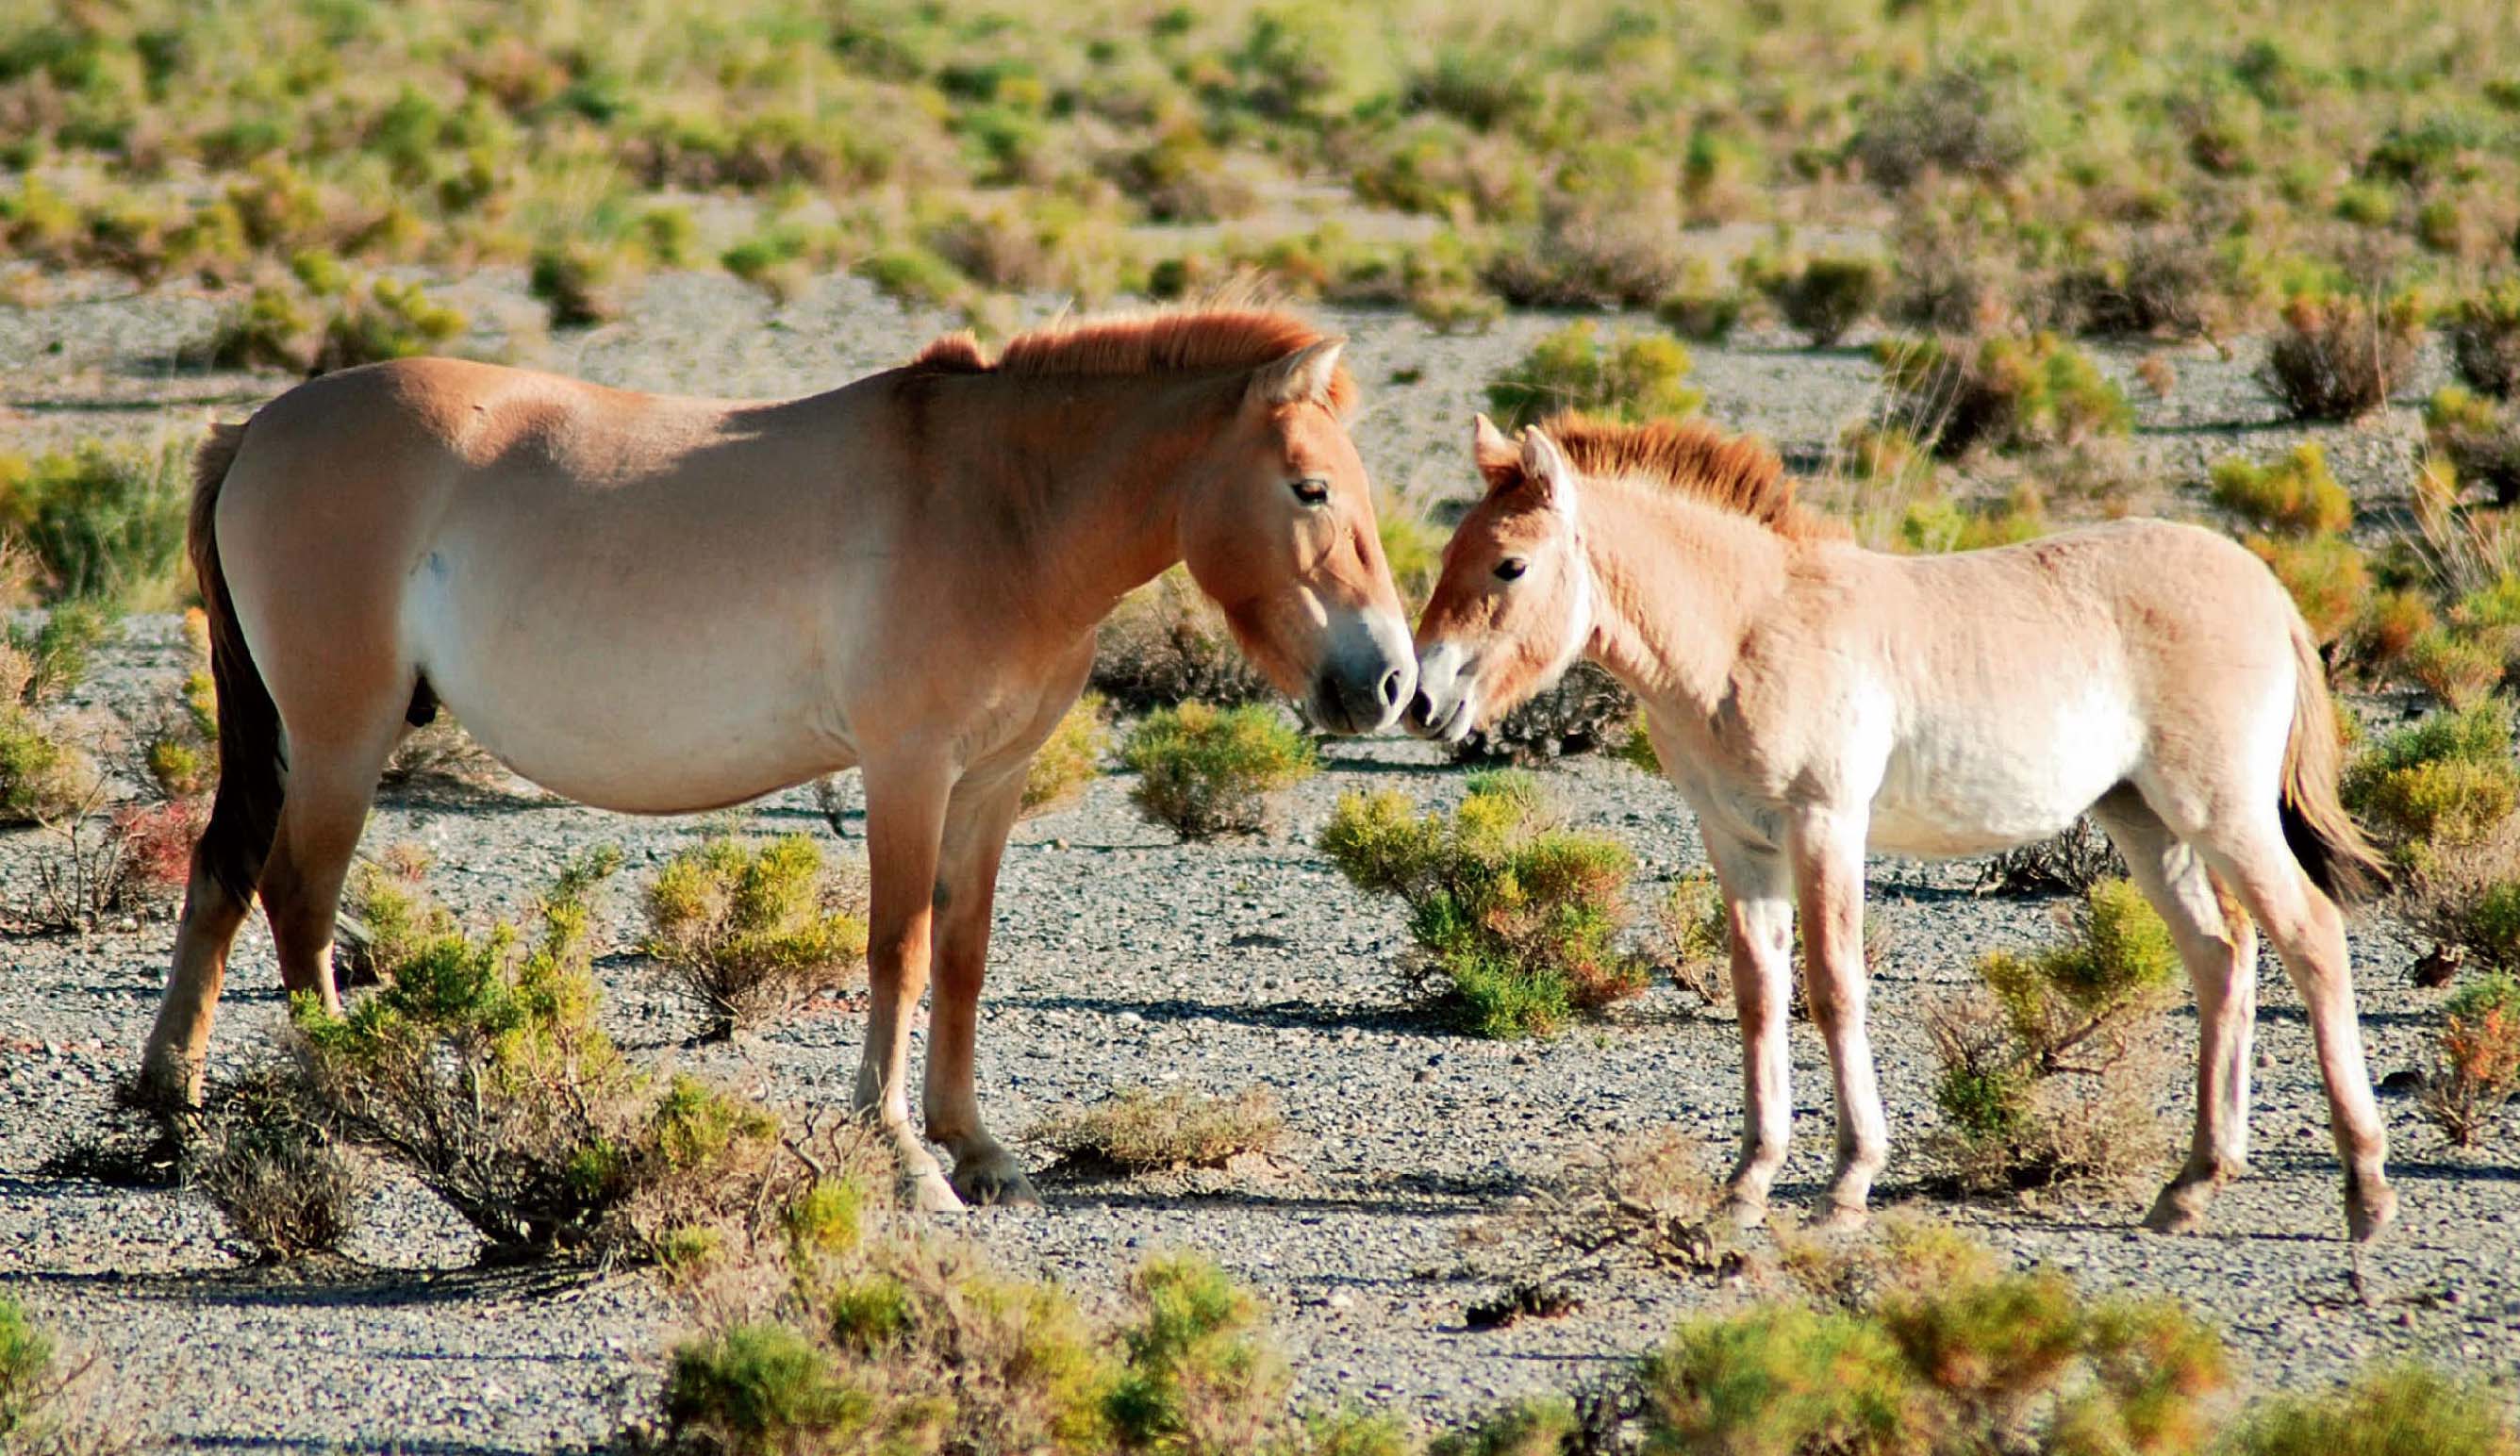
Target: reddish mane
(1190, 339)
(1737, 472)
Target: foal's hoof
(995, 1183)
(2180, 1210)
(1745, 1212)
(1843, 1218)
(2368, 1212)
(928, 1192)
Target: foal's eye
(1510, 568)
(1312, 490)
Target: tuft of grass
(1140, 1130)
(266, 1158)
(2479, 1056)
(2479, 437)
(2296, 495)
(2339, 357)
(100, 523)
(748, 931)
(1697, 928)
(2483, 330)
(2436, 785)
(2328, 577)
(1069, 761)
(577, 281)
(1208, 771)
(2046, 1073)
(1631, 376)
(1518, 918)
(2404, 1410)
(2004, 392)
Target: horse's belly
(1981, 788)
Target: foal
(660, 605)
(1812, 699)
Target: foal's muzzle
(1443, 707)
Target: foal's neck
(1676, 582)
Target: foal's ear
(1545, 466)
(1303, 375)
(1499, 462)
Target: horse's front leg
(1758, 914)
(976, 821)
(906, 803)
(1827, 852)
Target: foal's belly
(1954, 788)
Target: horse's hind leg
(2219, 947)
(170, 1066)
(2307, 932)
(330, 789)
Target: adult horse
(1812, 699)
(659, 605)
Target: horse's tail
(245, 813)
(2322, 836)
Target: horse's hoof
(168, 1084)
(1843, 1218)
(1745, 1212)
(2176, 1212)
(929, 1193)
(2368, 1212)
(995, 1184)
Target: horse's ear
(1305, 375)
(1545, 466)
(1499, 462)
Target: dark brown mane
(1185, 339)
(1737, 472)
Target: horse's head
(1514, 604)
(1280, 532)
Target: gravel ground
(1123, 957)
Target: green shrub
(748, 930)
(2339, 357)
(2004, 392)
(2404, 1410)
(1544, 1426)
(2295, 496)
(269, 329)
(2046, 1075)
(2479, 1063)
(1780, 1381)
(1949, 123)
(103, 523)
(2485, 339)
(577, 281)
(389, 320)
(1828, 296)
(44, 776)
(1518, 919)
(1582, 258)
(1140, 1130)
(2479, 438)
(1208, 771)
(1197, 1377)
(1070, 760)
(2437, 784)
(28, 1380)
(2454, 667)
(481, 1067)
(1634, 376)
(1934, 522)
(1699, 930)
(2327, 575)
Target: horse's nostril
(1391, 683)
(1420, 707)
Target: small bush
(1208, 771)
(2339, 358)
(1070, 760)
(1165, 644)
(1583, 710)
(2457, 669)
(1634, 376)
(103, 523)
(2067, 864)
(748, 932)
(389, 320)
(2402, 1411)
(1140, 1130)
(2435, 785)
(272, 1167)
(1828, 296)
(1584, 260)
(44, 778)
(1950, 124)
(2044, 1078)
(2327, 575)
(2479, 1064)
(2485, 339)
(578, 282)
(2005, 393)
(1518, 918)
(2296, 495)
(2479, 438)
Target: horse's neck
(1676, 582)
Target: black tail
(245, 813)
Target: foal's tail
(2322, 836)
(245, 813)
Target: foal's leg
(976, 823)
(171, 1065)
(1759, 912)
(905, 824)
(2307, 932)
(1827, 852)
(2219, 947)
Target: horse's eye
(1510, 568)
(1313, 490)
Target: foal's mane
(1161, 341)
(1740, 473)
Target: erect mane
(1160, 341)
(1738, 472)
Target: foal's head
(1280, 532)
(1514, 604)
